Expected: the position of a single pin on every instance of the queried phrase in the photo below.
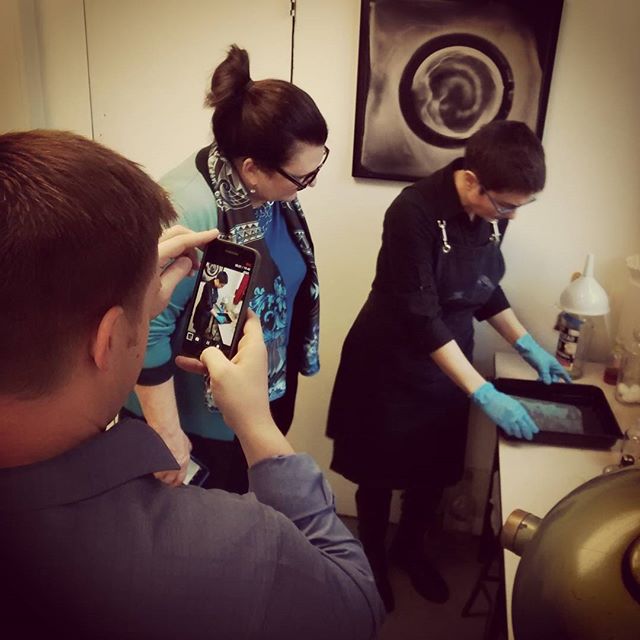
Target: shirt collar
(448, 202)
(128, 450)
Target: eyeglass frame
(304, 181)
(504, 209)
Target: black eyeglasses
(504, 209)
(302, 182)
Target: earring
(252, 190)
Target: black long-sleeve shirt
(411, 241)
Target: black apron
(396, 418)
(202, 315)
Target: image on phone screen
(219, 299)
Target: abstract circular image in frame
(452, 85)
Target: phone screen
(219, 299)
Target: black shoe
(425, 578)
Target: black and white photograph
(431, 73)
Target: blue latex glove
(507, 413)
(548, 368)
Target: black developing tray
(600, 429)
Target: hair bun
(230, 80)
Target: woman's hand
(509, 414)
(180, 447)
(548, 368)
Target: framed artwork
(432, 72)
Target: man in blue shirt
(92, 545)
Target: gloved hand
(548, 368)
(507, 413)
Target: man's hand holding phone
(239, 387)
(177, 257)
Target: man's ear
(105, 336)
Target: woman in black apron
(399, 407)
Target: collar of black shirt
(440, 193)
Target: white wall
(21, 96)
(60, 28)
(149, 63)
(43, 66)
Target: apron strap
(446, 247)
(495, 236)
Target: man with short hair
(91, 544)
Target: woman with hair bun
(268, 144)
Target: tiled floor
(417, 619)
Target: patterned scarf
(239, 222)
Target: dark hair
(506, 156)
(222, 277)
(79, 227)
(262, 120)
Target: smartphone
(218, 306)
(197, 473)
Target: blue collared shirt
(93, 546)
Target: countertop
(535, 477)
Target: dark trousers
(225, 461)
(419, 506)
